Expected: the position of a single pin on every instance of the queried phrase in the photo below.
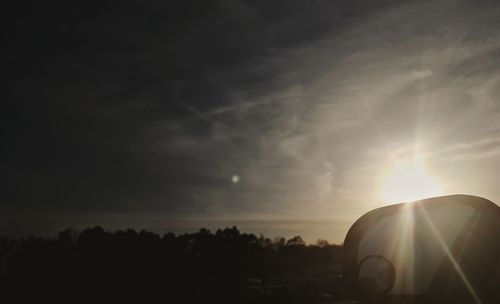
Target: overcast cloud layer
(154, 108)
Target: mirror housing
(438, 250)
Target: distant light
(235, 179)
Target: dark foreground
(222, 267)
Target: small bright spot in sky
(235, 179)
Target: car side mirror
(444, 250)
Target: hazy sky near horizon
(243, 109)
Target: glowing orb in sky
(409, 180)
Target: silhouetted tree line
(96, 264)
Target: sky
(137, 112)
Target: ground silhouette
(221, 267)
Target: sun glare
(409, 180)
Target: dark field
(204, 267)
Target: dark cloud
(153, 106)
(88, 84)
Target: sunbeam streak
(452, 259)
(405, 254)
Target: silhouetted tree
(296, 241)
(196, 267)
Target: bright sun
(408, 180)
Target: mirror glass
(440, 247)
(412, 238)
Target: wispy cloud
(307, 114)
